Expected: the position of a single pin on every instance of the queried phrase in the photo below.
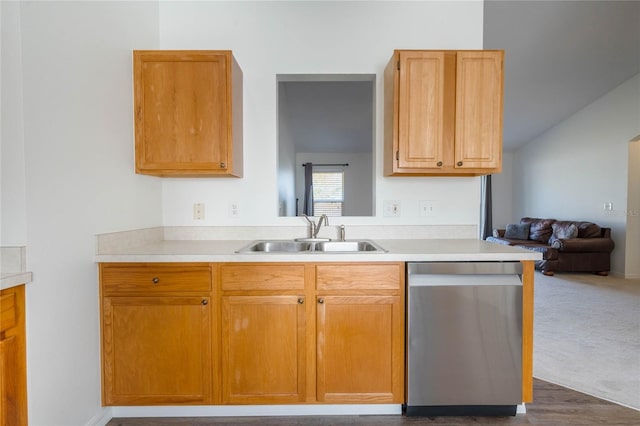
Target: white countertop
(13, 267)
(12, 279)
(405, 250)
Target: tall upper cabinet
(443, 112)
(188, 113)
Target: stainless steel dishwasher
(464, 338)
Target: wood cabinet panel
(360, 344)
(262, 276)
(156, 350)
(364, 276)
(443, 112)
(13, 362)
(421, 109)
(263, 349)
(478, 141)
(155, 278)
(188, 109)
(8, 310)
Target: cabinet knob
(439, 164)
(321, 301)
(300, 300)
(205, 301)
(155, 280)
(459, 163)
(223, 165)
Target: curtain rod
(343, 164)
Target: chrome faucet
(315, 228)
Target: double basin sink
(294, 246)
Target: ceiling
(559, 57)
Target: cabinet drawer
(262, 277)
(155, 278)
(358, 276)
(8, 312)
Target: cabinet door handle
(155, 280)
(321, 301)
(223, 165)
(439, 164)
(300, 300)
(459, 163)
(204, 301)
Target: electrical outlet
(427, 208)
(391, 208)
(234, 210)
(198, 211)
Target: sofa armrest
(585, 245)
(498, 233)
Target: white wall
(13, 229)
(80, 181)
(270, 38)
(570, 171)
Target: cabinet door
(421, 109)
(13, 371)
(263, 349)
(183, 112)
(478, 135)
(156, 350)
(360, 344)
(9, 382)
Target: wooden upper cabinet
(478, 141)
(188, 113)
(443, 112)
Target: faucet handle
(342, 232)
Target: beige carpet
(587, 335)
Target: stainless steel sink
(277, 246)
(348, 246)
(290, 246)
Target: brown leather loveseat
(568, 246)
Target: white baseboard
(521, 409)
(101, 418)
(257, 410)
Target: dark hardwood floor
(553, 405)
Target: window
(328, 193)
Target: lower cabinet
(263, 349)
(329, 333)
(13, 365)
(360, 333)
(263, 333)
(360, 356)
(156, 335)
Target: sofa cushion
(519, 231)
(588, 230)
(563, 230)
(540, 229)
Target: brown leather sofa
(566, 246)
